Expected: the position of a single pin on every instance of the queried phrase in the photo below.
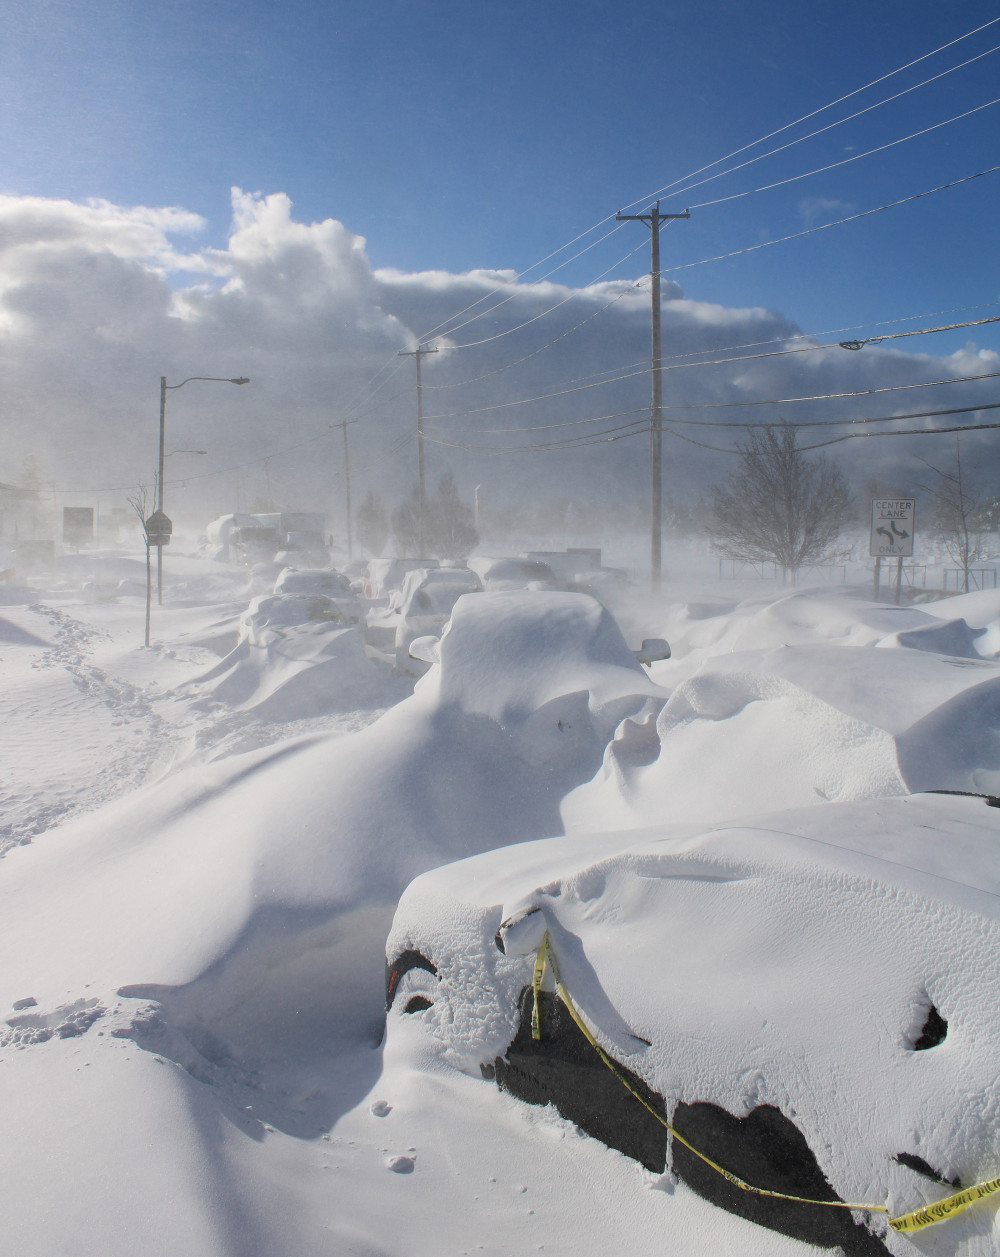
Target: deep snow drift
(197, 952)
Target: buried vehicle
(328, 584)
(298, 655)
(421, 607)
(798, 1019)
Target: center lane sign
(892, 528)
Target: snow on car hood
(792, 963)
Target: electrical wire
(735, 153)
(755, 344)
(573, 294)
(814, 113)
(777, 353)
(797, 235)
(771, 401)
(634, 287)
(683, 180)
(922, 414)
(830, 126)
(846, 161)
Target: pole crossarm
(649, 218)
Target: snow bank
(231, 919)
(786, 703)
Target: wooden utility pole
(416, 355)
(345, 424)
(652, 221)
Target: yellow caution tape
(942, 1210)
(927, 1215)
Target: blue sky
(454, 135)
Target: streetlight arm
(221, 379)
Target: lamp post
(159, 483)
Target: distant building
(19, 511)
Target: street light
(159, 492)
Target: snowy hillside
(209, 853)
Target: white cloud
(816, 209)
(96, 303)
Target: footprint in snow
(401, 1165)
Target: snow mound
(804, 750)
(255, 892)
(807, 699)
(296, 656)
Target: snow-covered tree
(372, 524)
(445, 529)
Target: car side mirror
(652, 650)
(425, 649)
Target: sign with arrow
(892, 528)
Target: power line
(770, 401)
(815, 112)
(797, 235)
(633, 287)
(921, 414)
(668, 188)
(695, 353)
(638, 427)
(830, 126)
(573, 294)
(846, 161)
(681, 366)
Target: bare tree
(961, 514)
(779, 505)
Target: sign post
(158, 529)
(891, 535)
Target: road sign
(892, 528)
(158, 529)
(78, 524)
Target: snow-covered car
(419, 606)
(424, 605)
(386, 576)
(297, 655)
(271, 616)
(604, 583)
(324, 582)
(509, 573)
(786, 1016)
(302, 550)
